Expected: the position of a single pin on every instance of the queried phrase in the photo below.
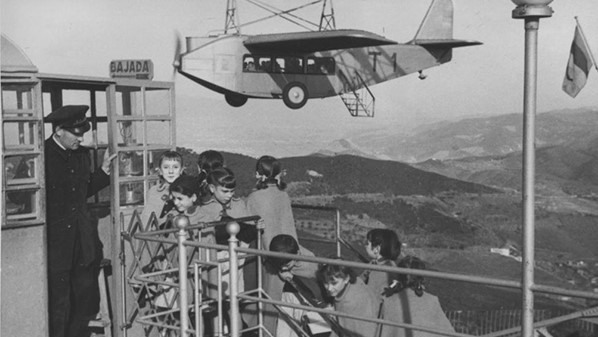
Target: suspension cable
(283, 14)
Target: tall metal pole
(182, 222)
(233, 229)
(531, 11)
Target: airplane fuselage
(223, 64)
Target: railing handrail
(184, 241)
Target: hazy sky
(81, 37)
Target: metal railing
(186, 244)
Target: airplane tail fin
(436, 30)
(438, 22)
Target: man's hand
(260, 224)
(107, 160)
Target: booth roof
(14, 59)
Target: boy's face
(183, 202)
(336, 285)
(170, 169)
(222, 194)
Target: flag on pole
(579, 65)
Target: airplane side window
(279, 65)
(249, 64)
(294, 65)
(264, 65)
(327, 66)
(320, 65)
(311, 65)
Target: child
(351, 296)
(273, 205)
(383, 248)
(183, 191)
(286, 270)
(206, 163)
(223, 204)
(413, 305)
(270, 201)
(158, 200)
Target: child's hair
(186, 185)
(327, 272)
(207, 162)
(270, 169)
(415, 282)
(282, 243)
(390, 246)
(210, 160)
(222, 176)
(170, 155)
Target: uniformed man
(74, 247)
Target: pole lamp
(531, 11)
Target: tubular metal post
(529, 116)
(182, 222)
(260, 305)
(233, 229)
(338, 233)
(531, 12)
(123, 273)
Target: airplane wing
(309, 42)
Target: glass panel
(76, 97)
(128, 101)
(131, 193)
(130, 163)
(249, 64)
(291, 65)
(102, 132)
(19, 134)
(101, 110)
(21, 205)
(158, 133)
(131, 133)
(17, 97)
(294, 65)
(157, 102)
(279, 65)
(264, 64)
(320, 65)
(20, 169)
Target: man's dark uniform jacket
(69, 182)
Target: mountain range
(480, 137)
(454, 209)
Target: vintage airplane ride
(302, 65)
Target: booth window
(22, 155)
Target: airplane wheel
(294, 95)
(235, 100)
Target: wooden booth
(134, 118)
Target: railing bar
(361, 318)
(544, 323)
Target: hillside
(345, 174)
(488, 136)
(567, 169)
(450, 223)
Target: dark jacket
(69, 182)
